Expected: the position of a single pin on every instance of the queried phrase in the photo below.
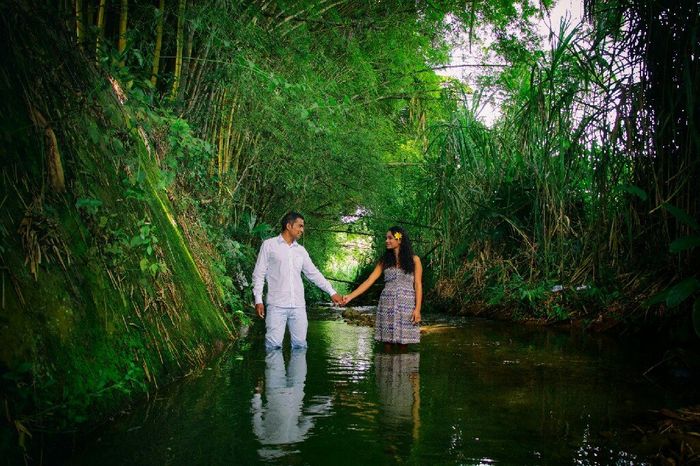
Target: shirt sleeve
(315, 276)
(259, 273)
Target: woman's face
(391, 242)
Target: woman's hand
(346, 300)
(415, 316)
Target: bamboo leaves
(684, 244)
(676, 294)
(681, 215)
(635, 190)
(681, 291)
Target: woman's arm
(418, 286)
(366, 284)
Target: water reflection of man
(398, 381)
(281, 420)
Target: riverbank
(110, 290)
(667, 436)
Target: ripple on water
(347, 370)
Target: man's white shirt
(282, 265)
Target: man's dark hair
(290, 217)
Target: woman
(398, 313)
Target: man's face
(296, 229)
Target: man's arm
(259, 274)
(317, 278)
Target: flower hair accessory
(398, 236)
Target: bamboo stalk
(213, 129)
(179, 40)
(100, 26)
(221, 130)
(159, 43)
(79, 25)
(53, 155)
(238, 147)
(124, 12)
(227, 146)
(90, 14)
(202, 64)
(187, 64)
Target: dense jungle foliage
(148, 147)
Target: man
(281, 261)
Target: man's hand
(260, 309)
(337, 299)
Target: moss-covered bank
(107, 292)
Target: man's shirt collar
(280, 239)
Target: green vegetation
(150, 146)
(585, 185)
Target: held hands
(342, 300)
(337, 299)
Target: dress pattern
(396, 304)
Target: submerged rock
(364, 315)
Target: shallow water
(473, 392)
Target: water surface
(473, 392)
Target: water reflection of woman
(398, 380)
(398, 313)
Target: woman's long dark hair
(405, 252)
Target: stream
(473, 392)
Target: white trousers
(277, 318)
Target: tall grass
(577, 186)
